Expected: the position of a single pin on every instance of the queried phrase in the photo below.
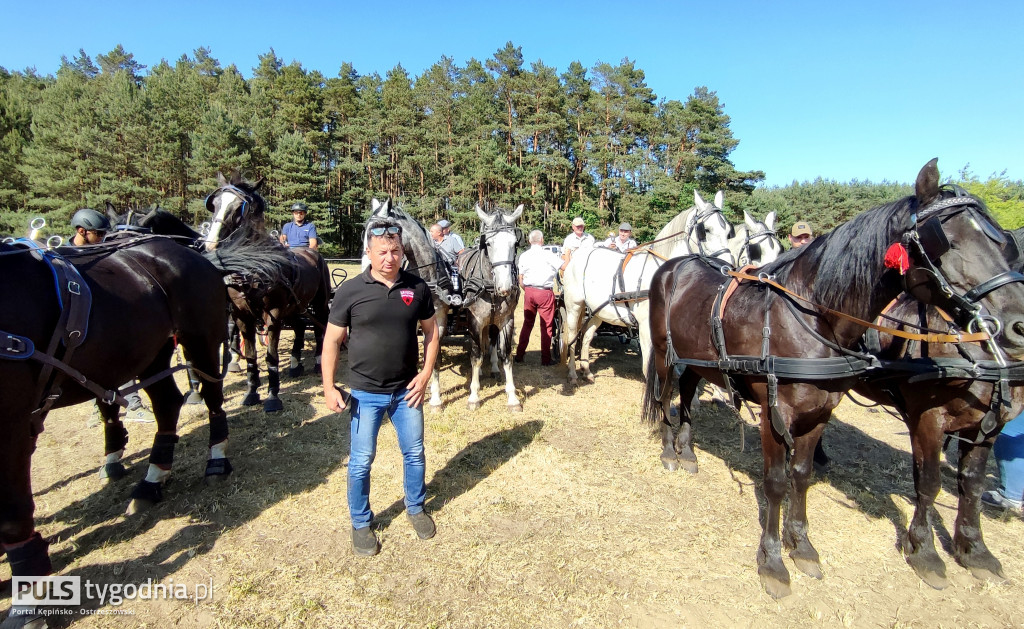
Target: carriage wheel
(557, 332)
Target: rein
(929, 337)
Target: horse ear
(698, 200)
(236, 177)
(719, 200)
(927, 186)
(769, 220)
(221, 180)
(374, 206)
(749, 220)
(258, 185)
(483, 217)
(516, 214)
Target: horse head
(498, 239)
(708, 232)
(956, 245)
(234, 204)
(755, 242)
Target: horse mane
(846, 263)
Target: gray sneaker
(141, 414)
(423, 524)
(995, 498)
(364, 542)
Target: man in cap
(299, 233)
(578, 238)
(624, 241)
(800, 235)
(452, 243)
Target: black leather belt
(540, 287)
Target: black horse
(303, 288)
(79, 322)
(944, 389)
(750, 343)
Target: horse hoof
(194, 398)
(251, 400)
(218, 472)
(808, 566)
(774, 586)
(113, 471)
(515, 408)
(983, 573)
(139, 505)
(473, 406)
(688, 466)
(234, 367)
(436, 408)
(930, 569)
(590, 378)
(295, 372)
(273, 405)
(671, 464)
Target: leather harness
(75, 301)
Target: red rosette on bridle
(897, 257)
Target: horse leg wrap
(218, 428)
(30, 558)
(218, 467)
(273, 381)
(148, 491)
(115, 437)
(163, 450)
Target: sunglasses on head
(385, 229)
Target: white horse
(755, 242)
(491, 291)
(701, 229)
(613, 286)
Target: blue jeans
(1009, 453)
(367, 416)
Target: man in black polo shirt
(382, 307)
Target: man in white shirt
(537, 270)
(578, 238)
(624, 241)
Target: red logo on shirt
(407, 296)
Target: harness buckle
(74, 288)
(16, 345)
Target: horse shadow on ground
(275, 456)
(468, 467)
(870, 473)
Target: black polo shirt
(383, 352)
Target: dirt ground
(558, 516)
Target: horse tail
(650, 408)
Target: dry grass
(559, 516)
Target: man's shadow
(468, 467)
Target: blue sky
(860, 90)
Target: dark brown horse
(945, 389)
(762, 329)
(305, 288)
(115, 315)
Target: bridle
(751, 248)
(516, 232)
(696, 231)
(212, 237)
(927, 239)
